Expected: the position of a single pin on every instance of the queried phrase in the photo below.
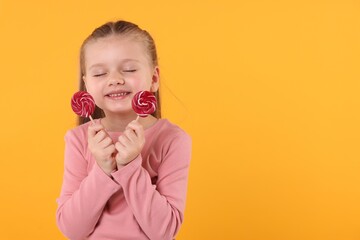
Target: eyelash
(126, 71)
(99, 75)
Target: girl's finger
(105, 142)
(137, 128)
(93, 129)
(131, 135)
(110, 149)
(100, 136)
(124, 140)
(119, 146)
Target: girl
(123, 178)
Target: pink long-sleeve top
(143, 200)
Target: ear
(155, 80)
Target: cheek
(142, 86)
(89, 88)
(92, 89)
(143, 82)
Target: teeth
(118, 94)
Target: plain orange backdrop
(268, 90)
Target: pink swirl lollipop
(144, 103)
(83, 104)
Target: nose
(116, 79)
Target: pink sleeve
(83, 196)
(159, 208)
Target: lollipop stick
(92, 120)
(137, 118)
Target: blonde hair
(121, 28)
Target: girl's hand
(101, 147)
(130, 143)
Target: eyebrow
(122, 61)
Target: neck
(118, 123)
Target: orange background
(269, 91)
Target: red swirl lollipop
(144, 103)
(83, 104)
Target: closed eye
(130, 70)
(99, 75)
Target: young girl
(124, 178)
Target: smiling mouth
(115, 95)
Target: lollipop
(83, 104)
(144, 103)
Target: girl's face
(116, 68)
